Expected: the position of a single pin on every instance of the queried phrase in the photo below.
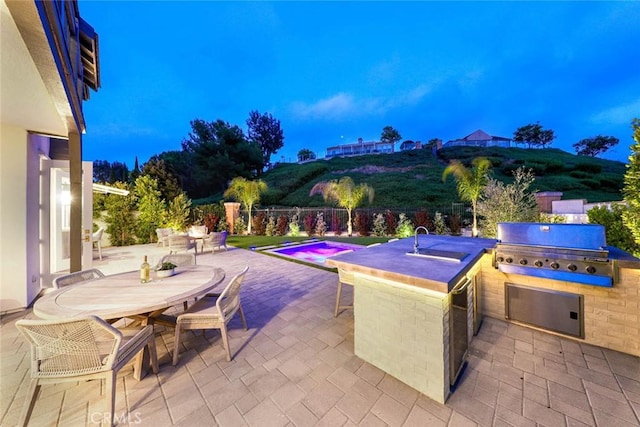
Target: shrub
(259, 224)
(405, 226)
(178, 212)
(513, 202)
(239, 226)
(551, 218)
(309, 224)
(591, 183)
(294, 227)
(222, 225)
(391, 222)
(455, 225)
(553, 167)
(617, 233)
(379, 225)
(580, 174)
(362, 223)
(424, 220)
(591, 168)
(610, 181)
(440, 226)
(211, 221)
(271, 229)
(282, 225)
(335, 224)
(321, 226)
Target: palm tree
(247, 193)
(470, 182)
(345, 193)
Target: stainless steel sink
(439, 254)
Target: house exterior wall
(43, 87)
(21, 199)
(13, 218)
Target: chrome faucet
(415, 242)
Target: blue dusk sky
(332, 72)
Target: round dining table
(122, 295)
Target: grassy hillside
(413, 179)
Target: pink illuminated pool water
(316, 252)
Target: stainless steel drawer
(547, 309)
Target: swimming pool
(315, 252)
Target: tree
(390, 135)
(631, 189)
(151, 208)
(247, 193)
(135, 173)
(265, 130)
(616, 231)
(217, 152)
(167, 182)
(533, 135)
(470, 182)
(345, 193)
(120, 216)
(106, 172)
(507, 203)
(177, 216)
(306, 154)
(594, 146)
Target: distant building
(480, 138)
(359, 148)
(410, 145)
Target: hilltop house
(480, 138)
(49, 62)
(359, 148)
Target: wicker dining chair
(215, 239)
(179, 243)
(97, 239)
(77, 277)
(213, 313)
(81, 349)
(344, 278)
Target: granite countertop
(390, 261)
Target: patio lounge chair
(81, 349)
(77, 277)
(213, 313)
(97, 239)
(344, 278)
(215, 240)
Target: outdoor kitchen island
(413, 315)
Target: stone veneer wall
(405, 332)
(611, 315)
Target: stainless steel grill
(568, 252)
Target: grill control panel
(559, 266)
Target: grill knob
(523, 261)
(591, 269)
(500, 259)
(538, 263)
(509, 260)
(572, 267)
(555, 265)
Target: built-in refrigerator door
(459, 328)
